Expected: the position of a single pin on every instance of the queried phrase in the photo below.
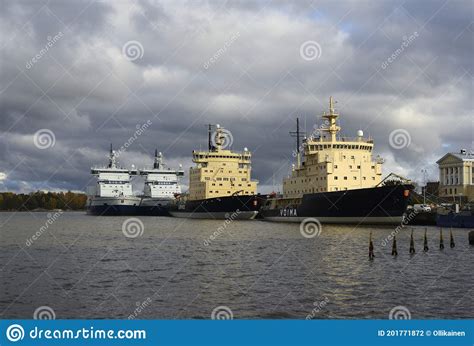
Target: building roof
(467, 156)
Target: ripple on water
(257, 269)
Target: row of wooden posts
(412, 244)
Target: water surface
(85, 267)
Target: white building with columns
(456, 176)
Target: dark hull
(378, 205)
(234, 207)
(423, 219)
(455, 220)
(112, 210)
(153, 211)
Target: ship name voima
(336, 180)
(288, 212)
(330, 163)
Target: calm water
(84, 267)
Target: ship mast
(112, 159)
(297, 134)
(158, 160)
(210, 147)
(332, 128)
(219, 138)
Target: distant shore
(40, 201)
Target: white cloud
(261, 74)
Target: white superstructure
(161, 184)
(112, 193)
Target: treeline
(42, 200)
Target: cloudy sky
(82, 74)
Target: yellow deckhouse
(220, 172)
(333, 163)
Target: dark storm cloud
(233, 63)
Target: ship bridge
(244, 157)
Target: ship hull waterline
(384, 205)
(455, 221)
(246, 215)
(154, 206)
(113, 206)
(242, 207)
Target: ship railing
(356, 139)
(168, 171)
(342, 139)
(97, 170)
(108, 168)
(243, 155)
(114, 182)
